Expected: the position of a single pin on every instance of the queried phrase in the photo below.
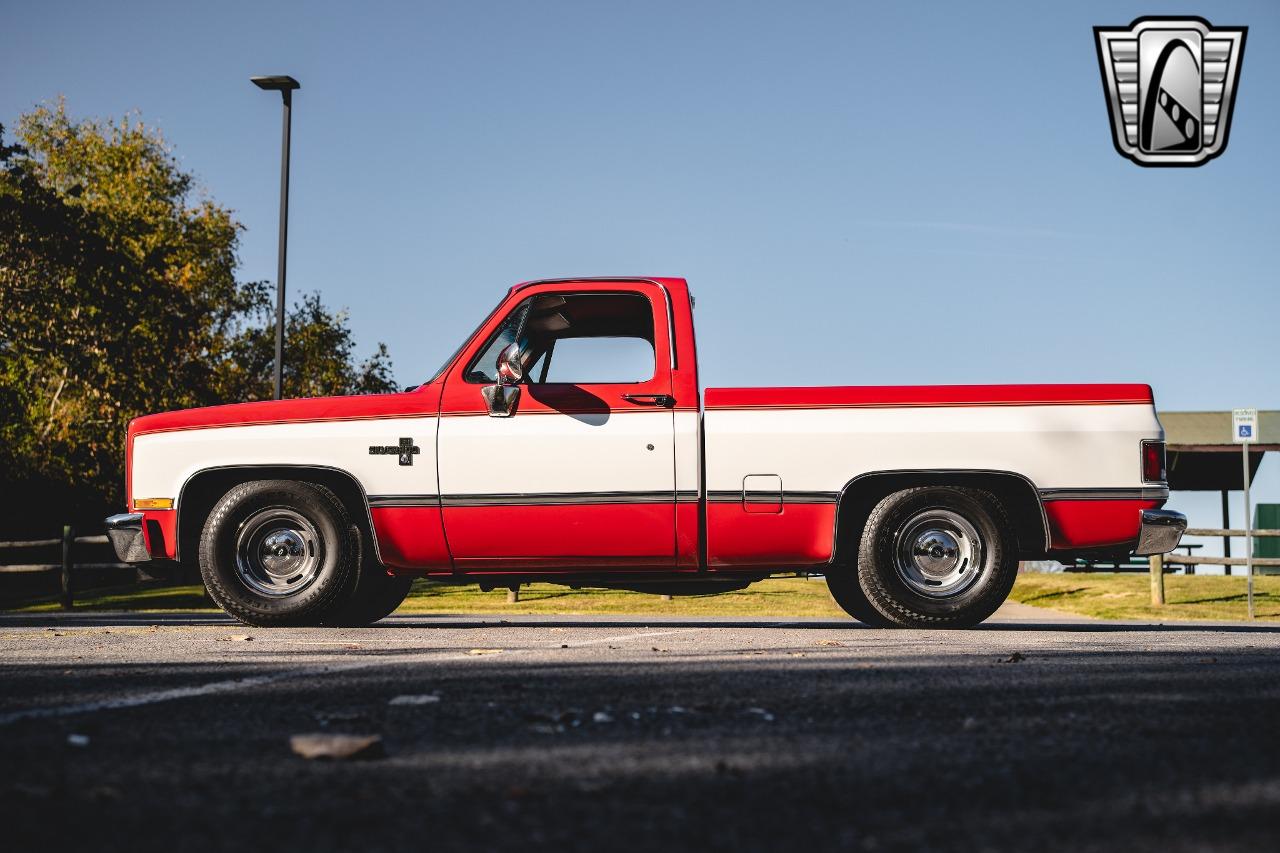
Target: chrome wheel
(938, 553)
(278, 552)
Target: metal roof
(1202, 430)
(1202, 456)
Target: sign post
(1244, 429)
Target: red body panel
(311, 410)
(1095, 524)
(687, 524)
(900, 396)
(594, 534)
(167, 519)
(800, 535)
(411, 537)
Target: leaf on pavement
(338, 747)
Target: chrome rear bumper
(125, 532)
(1161, 531)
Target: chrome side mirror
(510, 368)
(503, 397)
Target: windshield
(448, 361)
(484, 367)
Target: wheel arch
(205, 487)
(1018, 495)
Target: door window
(576, 339)
(611, 360)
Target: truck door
(582, 473)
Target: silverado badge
(405, 450)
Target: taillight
(1153, 462)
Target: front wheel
(937, 557)
(376, 596)
(279, 552)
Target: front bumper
(1161, 531)
(126, 535)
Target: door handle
(666, 401)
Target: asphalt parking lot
(145, 732)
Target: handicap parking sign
(1245, 425)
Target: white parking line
(624, 637)
(150, 698)
(214, 687)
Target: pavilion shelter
(1202, 457)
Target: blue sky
(859, 193)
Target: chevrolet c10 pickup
(567, 441)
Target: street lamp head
(284, 84)
(276, 83)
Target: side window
(591, 338)
(582, 361)
(576, 339)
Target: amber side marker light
(153, 503)
(1153, 462)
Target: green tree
(319, 355)
(118, 297)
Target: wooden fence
(1160, 561)
(66, 566)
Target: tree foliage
(118, 297)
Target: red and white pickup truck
(567, 440)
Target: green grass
(1102, 595)
(1128, 596)
(776, 597)
(141, 597)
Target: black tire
(377, 595)
(937, 557)
(243, 535)
(842, 581)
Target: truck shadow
(571, 400)
(106, 619)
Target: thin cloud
(970, 228)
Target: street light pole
(285, 86)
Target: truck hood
(417, 402)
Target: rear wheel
(279, 552)
(937, 557)
(842, 581)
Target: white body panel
(813, 450)
(688, 469)
(163, 461)
(557, 454)
(820, 450)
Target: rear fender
(1015, 492)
